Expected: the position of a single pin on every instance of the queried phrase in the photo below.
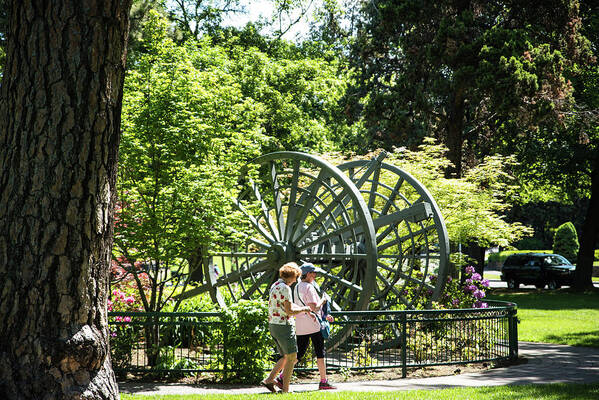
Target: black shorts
(317, 343)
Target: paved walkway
(544, 363)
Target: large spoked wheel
(411, 237)
(299, 208)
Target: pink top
(306, 323)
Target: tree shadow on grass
(579, 339)
(541, 299)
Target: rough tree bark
(60, 105)
(588, 238)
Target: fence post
(513, 333)
(404, 356)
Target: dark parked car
(537, 269)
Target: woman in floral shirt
(281, 324)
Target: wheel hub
(281, 253)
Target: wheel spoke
(253, 240)
(337, 256)
(373, 188)
(340, 232)
(277, 199)
(254, 222)
(265, 210)
(239, 274)
(415, 213)
(391, 199)
(404, 238)
(293, 207)
(326, 213)
(265, 278)
(342, 281)
(309, 197)
(372, 166)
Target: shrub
(246, 341)
(468, 295)
(565, 241)
(455, 294)
(123, 337)
(171, 366)
(185, 333)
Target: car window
(555, 259)
(513, 260)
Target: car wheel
(512, 284)
(553, 285)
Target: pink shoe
(326, 386)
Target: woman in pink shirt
(307, 326)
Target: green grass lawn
(520, 392)
(555, 316)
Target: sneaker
(325, 386)
(279, 382)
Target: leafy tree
(186, 131)
(565, 241)
(567, 155)
(138, 17)
(472, 206)
(300, 99)
(469, 72)
(60, 106)
(194, 17)
(334, 25)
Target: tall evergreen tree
(467, 71)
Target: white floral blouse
(279, 292)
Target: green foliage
(187, 334)
(477, 74)
(245, 337)
(122, 341)
(565, 241)
(472, 206)
(186, 130)
(299, 97)
(176, 366)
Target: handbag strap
(296, 289)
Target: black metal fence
(188, 342)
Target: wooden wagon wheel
(411, 237)
(300, 208)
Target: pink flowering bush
(468, 295)
(124, 297)
(454, 295)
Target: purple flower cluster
(474, 285)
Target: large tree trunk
(590, 234)
(455, 139)
(60, 104)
